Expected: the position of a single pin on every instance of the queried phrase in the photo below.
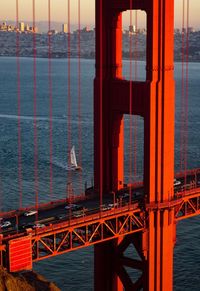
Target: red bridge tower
(154, 100)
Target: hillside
(26, 281)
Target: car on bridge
(177, 182)
(73, 207)
(5, 224)
(113, 205)
(78, 213)
(124, 195)
(61, 216)
(105, 207)
(30, 212)
(39, 225)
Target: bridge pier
(105, 276)
(154, 101)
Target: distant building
(21, 27)
(191, 29)
(27, 27)
(132, 29)
(10, 28)
(4, 26)
(52, 31)
(177, 31)
(33, 29)
(86, 29)
(64, 28)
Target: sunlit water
(74, 271)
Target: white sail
(73, 161)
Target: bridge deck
(63, 230)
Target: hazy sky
(59, 11)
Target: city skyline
(59, 11)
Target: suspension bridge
(112, 214)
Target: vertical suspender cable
(19, 106)
(186, 88)
(101, 103)
(136, 45)
(135, 119)
(182, 92)
(130, 101)
(79, 92)
(1, 196)
(69, 99)
(35, 112)
(50, 101)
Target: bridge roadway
(54, 212)
(62, 230)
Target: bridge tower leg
(154, 100)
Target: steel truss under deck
(127, 221)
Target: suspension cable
(130, 100)
(50, 101)
(1, 195)
(36, 184)
(101, 105)
(186, 89)
(69, 193)
(182, 92)
(19, 106)
(135, 119)
(79, 94)
(187, 68)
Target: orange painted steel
(152, 99)
(20, 254)
(115, 229)
(69, 235)
(150, 223)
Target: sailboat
(73, 166)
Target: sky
(59, 11)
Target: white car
(177, 182)
(30, 212)
(105, 207)
(78, 213)
(113, 205)
(38, 225)
(5, 224)
(71, 206)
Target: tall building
(21, 26)
(27, 27)
(132, 29)
(64, 28)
